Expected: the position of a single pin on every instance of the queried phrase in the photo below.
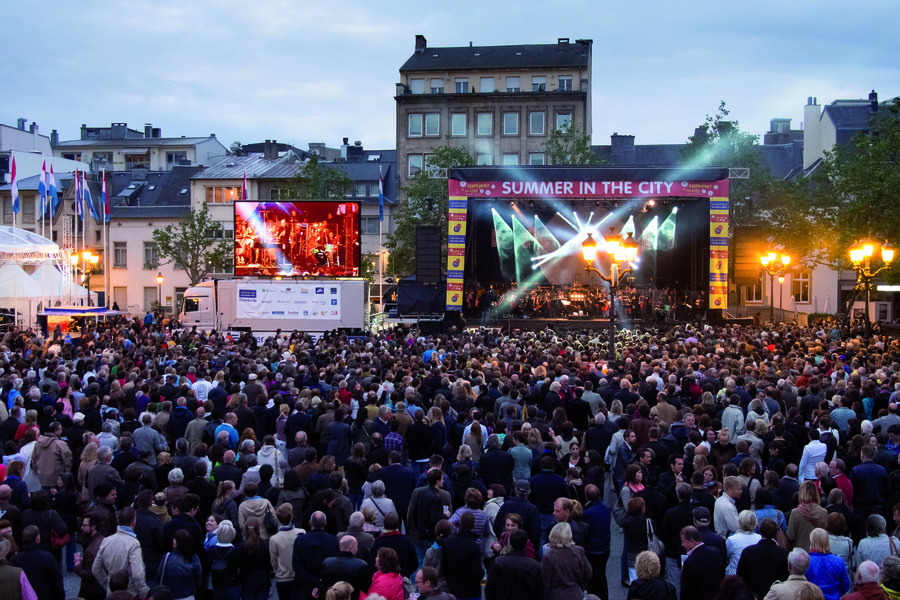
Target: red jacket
(867, 591)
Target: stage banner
(718, 252)
(261, 300)
(456, 251)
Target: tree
(426, 202)
(317, 181)
(862, 181)
(195, 244)
(568, 145)
(720, 142)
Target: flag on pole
(86, 191)
(42, 187)
(380, 196)
(78, 206)
(54, 193)
(104, 199)
(244, 187)
(14, 187)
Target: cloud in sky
(304, 72)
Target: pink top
(389, 585)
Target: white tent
(52, 284)
(18, 245)
(18, 290)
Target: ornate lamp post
(861, 256)
(89, 261)
(775, 265)
(620, 251)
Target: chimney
(270, 150)
(20, 123)
(873, 102)
(620, 144)
(157, 132)
(421, 44)
(562, 41)
(34, 129)
(700, 135)
(344, 146)
(148, 130)
(54, 138)
(84, 131)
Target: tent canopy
(53, 282)
(24, 246)
(16, 282)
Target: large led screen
(296, 238)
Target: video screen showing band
(296, 238)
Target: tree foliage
(195, 244)
(317, 181)
(568, 145)
(719, 142)
(426, 202)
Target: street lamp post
(89, 261)
(159, 282)
(861, 256)
(620, 251)
(775, 266)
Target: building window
(485, 124)
(415, 164)
(369, 225)
(510, 158)
(280, 194)
(462, 85)
(432, 169)
(800, 284)
(28, 210)
(513, 84)
(484, 158)
(362, 190)
(120, 255)
(222, 195)
(433, 124)
(458, 124)
(415, 125)
(511, 123)
(151, 257)
(754, 293)
(563, 120)
(175, 158)
(536, 158)
(487, 84)
(536, 122)
(437, 85)
(417, 86)
(565, 83)
(538, 83)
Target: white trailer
(262, 306)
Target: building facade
(498, 102)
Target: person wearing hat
(13, 580)
(519, 504)
(702, 519)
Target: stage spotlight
(650, 205)
(674, 209)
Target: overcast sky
(300, 71)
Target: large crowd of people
(734, 463)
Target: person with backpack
(225, 564)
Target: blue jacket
(871, 485)
(829, 572)
(597, 516)
(546, 487)
(182, 577)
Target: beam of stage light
(650, 235)
(572, 245)
(666, 237)
(629, 227)
(505, 251)
(521, 254)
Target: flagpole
(380, 245)
(104, 223)
(87, 295)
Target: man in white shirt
(813, 453)
(725, 514)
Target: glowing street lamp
(861, 254)
(775, 265)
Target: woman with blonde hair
(744, 537)
(88, 460)
(825, 569)
(649, 585)
(475, 440)
(565, 570)
(807, 516)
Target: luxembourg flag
(42, 187)
(380, 196)
(54, 193)
(244, 187)
(86, 194)
(14, 187)
(78, 207)
(104, 199)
